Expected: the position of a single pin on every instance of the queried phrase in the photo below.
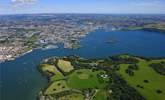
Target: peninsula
(114, 78)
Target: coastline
(13, 58)
(87, 33)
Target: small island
(114, 78)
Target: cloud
(153, 3)
(22, 2)
(146, 6)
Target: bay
(20, 79)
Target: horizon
(8, 7)
(83, 14)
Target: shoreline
(13, 58)
(87, 33)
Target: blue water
(20, 80)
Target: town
(20, 34)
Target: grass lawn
(101, 94)
(52, 69)
(58, 75)
(48, 68)
(65, 65)
(73, 96)
(156, 81)
(85, 78)
(57, 87)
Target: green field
(46, 68)
(101, 94)
(144, 75)
(79, 79)
(155, 80)
(65, 65)
(73, 96)
(58, 75)
(86, 78)
(57, 87)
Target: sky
(82, 6)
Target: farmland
(147, 81)
(116, 77)
(65, 65)
(85, 78)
